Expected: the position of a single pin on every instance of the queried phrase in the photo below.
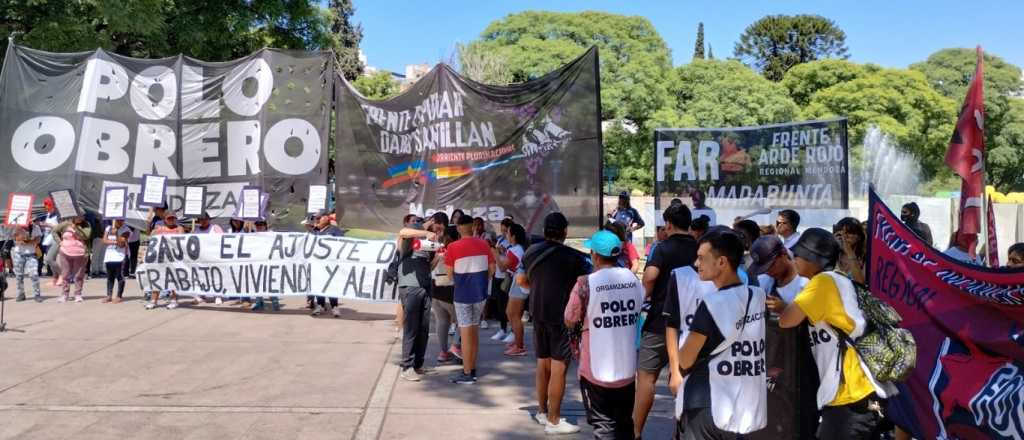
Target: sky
(891, 33)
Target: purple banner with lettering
(969, 325)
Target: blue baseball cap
(604, 243)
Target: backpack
(889, 352)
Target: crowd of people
(698, 306)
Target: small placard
(114, 206)
(65, 203)
(317, 199)
(19, 209)
(195, 197)
(154, 190)
(251, 206)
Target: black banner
(795, 165)
(451, 143)
(90, 120)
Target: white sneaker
(151, 305)
(218, 301)
(336, 312)
(526, 317)
(509, 338)
(562, 428)
(411, 375)
(498, 335)
(318, 310)
(541, 418)
(451, 330)
(484, 325)
(172, 305)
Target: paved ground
(110, 371)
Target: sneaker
(451, 330)
(218, 301)
(336, 312)
(151, 305)
(484, 325)
(455, 351)
(20, 298)
(78, 299)
(509, 338)
(463, 379)
(444, 357)
(562, 428)
(172, 305)
(526, 317)
(256, 306)
(515, 351)
(317, 310)
(498, 335)
(541, 418)
(411, 375)
(39, 298)
(426, 371)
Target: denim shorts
(469, 314)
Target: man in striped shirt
(471, 264)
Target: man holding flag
(966, 156)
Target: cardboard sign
(195, 197)
(317, 199)
(114, 202)
(154, 190)
(65, 203)
(251, 206)
(19, 209)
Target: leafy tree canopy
(803, 80)
(775, 43)
(377, 85)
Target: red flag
(966, 154)
(993, 242)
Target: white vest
(613, 311)
(739, 390)
(691, 292)
(825, 346)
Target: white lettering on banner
(193, 106)
(813, 195)
(101, 147)
(278, 157)
(236, 99)
(143, 84)
(437, 122)
(706, 167)
(489, 213)
(102, 80)
(53, 132)
(267, 264)
(244, 140)
(154, 147)
(200, 141)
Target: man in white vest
(606, 304)
(722, 358)
(686, 292)
(848, 396)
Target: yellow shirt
(820, 301)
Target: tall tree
(950, 71)
(775, 43)
(711, 52)
(698, 47)
(484, 66)
(711, 93)
(635, 61)
(345, 38)
(804, 80)
(377, 85)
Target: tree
(377, 85)
(698, 47)
(711, 52)
(711, 93)
(345, 38)
(804, 80)
(212, 31)
(901, 103)
(483, 66)
(635, 61)
(950, 72)
(775, 43)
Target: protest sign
(793, 165)
(251, 203)
(114, 202)
(267, 264)
(19, 209)
(65, 203)
(452, 143)
(195, 198)
(99, 119)
(154, 190)
(968, 322)
(317, 199)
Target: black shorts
(609, 410)
(653, 355)
(551, 341)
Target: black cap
(555, 221)
(818, 246)
(624, 194)
(763, 252)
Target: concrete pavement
(110, 371)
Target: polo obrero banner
(451, 143)
(89, 121)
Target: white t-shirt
(51, 222)
(787, 292)
(113, 252)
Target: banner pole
(600, 140)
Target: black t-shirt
(552, 280)
(414, 270)
(674, 252)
